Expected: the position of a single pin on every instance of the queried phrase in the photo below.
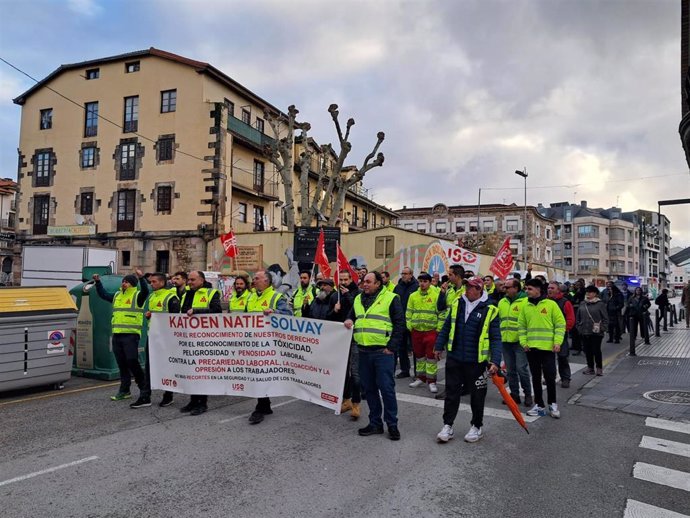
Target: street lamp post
(523, 173)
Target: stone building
(8, 192)
(148, 152)
(484, 228)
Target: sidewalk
(655, 383)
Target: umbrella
(512, 405)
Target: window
(617, 234)
(126, 258)
(259, 171)
(511, 225)
(373, 220)
(548, 255)
(231, 107)
(384, 247)
(43, 168)
(459, 227)
(128, 158)
(588, 247)
(165, 148)
(547, 233)
(133, 66)
(568, 215)
(92, 73)
(487, 226)
(558, 232)
(164, 199)
(91, 119)
(355, 216)
(441, 228)
(258, 218)
(131, 118)
(168, 101)
(587, 231)
(162, 261)
(125, 210)
(41, 211)
(260, 124)
(246, 117)
(88, 157)
(538, 231)
(365, 219)
(242, 212)
(473, 226)
(587, 264)
(46, 121)
(86, 203)
(421, 227)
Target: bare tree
(332, 184)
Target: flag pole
(337, 269)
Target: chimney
(583, 204)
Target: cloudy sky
(584, 94)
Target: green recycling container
(93, 357)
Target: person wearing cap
(321, 307)
(127, 321)
(424, 320)
(161, 300)
(450, 291)
(304, 295)
(377, 320)
(199, 299)
(265, 299)
(406, 286)
(541, 328)
(240, 294)
(471, 334)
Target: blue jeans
(518, 368)
(376, 371)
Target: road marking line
(672, 447)
(60, 393)
(576, 367)
(664, 476)
(635, 509)
(665, 424)
(244, 416)
(49, 470)
(438, 403)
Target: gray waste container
(37, 327)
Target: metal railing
(246, 131)
(250, 181)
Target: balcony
(568, 253)
(7, 224)
(248, 135)
(252, 184)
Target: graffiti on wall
(435, 257)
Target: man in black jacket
(352, 393)
(321, 308)
(405, 287)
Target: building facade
(484, 228)
(655, 248)
(8, 220)
(152, 153)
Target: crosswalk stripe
(672, 447)
(437, 403)
(664, 424)
(664, 476)
(635, 509)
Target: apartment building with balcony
(473, 225)
(655, 248)
(154, 154)
(595, 243)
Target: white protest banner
(250, 354)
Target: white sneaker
(446, 433)
(416, 383)
(433, 388)
(553, 410)
(537, 411)
(474, 434)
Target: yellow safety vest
(159, 299)
(373, 326)
(509, 313)
(453, 293)
(239, 303)
(421, 313)
(202, 298)
(267, 300)
(484, 346)
(128, 316)
(541, 326)
(300, 296)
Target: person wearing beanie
(541, 328)
(592, 322)
(127, 322)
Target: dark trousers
(403, 354)
(575, 340)
(541, 361)
(147, 372)
(472, 375)
(614, 327)
(353, 388)
(592, 344)
(635, 323)
(376, 371)
(263, 405)
(563, 363)
(126, 351)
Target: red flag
(229, 242)
(342, 265)
(320, 257)
(503, 262)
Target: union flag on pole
(343, 264)
(229, 242)
(320, 257)
(502, 264)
